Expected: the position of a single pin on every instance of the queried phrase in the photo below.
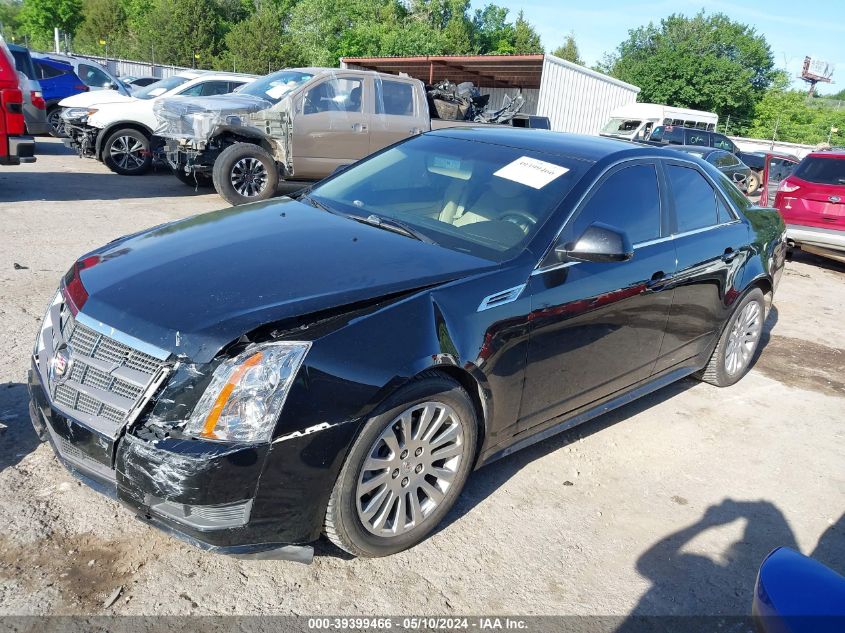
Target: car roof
(591, 148)
(840, 154)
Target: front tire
(738, 343)
(752, 183)
(405, 470)
(57, 126)
(127, 152)
(245, 173)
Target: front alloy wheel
(57, 125)
(127, 152)
(405, 470)
(410, 468)
(249, 177)
(245, 172)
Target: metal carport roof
(485, 71)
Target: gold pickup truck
(297, 124)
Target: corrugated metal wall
(125, 67)
(577, 99)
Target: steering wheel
(521, 219)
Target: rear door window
(723, 142)
(695, 199)
(394, 97)
(46, 71)
(824, 171)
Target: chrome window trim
(538, 270)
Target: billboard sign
(816, 70)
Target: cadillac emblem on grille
(61, 365)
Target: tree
(260, 43)
(789, 115)
(10, 22)
(704, 62)
(40, 17)
(104, 20)
(525, 39)
(569, 50)
(181, 32)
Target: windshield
(621, 127)
(479, 198)
(274, 87)
(160, 87)
(824, 171)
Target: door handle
(729, 255)
(359, 127)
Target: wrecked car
(300, 124)
(338, 363)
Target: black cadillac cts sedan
(251, 378)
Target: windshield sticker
(447, 163)
(531, 172)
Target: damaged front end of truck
(196, 130)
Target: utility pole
(775, 133)
(56, 38)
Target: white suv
(119, 129)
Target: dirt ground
(666, 506)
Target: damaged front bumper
(81, 138)
(204, 493)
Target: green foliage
(104, 20)
(569, 50)
(260, 43)
(40, 17)
(789, 115)
(182, 32)
(494, 35)
(10, 20)
(707, 62)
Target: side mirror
(600, 243)
(110, 85)
(340, 168)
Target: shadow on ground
(17, 437)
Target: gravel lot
(666, 506)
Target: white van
(635, 121)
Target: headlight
(246, 393)
(74, 114)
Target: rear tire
(194, 179)
(738, 343)
(245, 172)
(127, 152)
(405, 470)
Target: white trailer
(573, 97)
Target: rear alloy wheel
(57, 126)
(405, 471)
(738, 344)
(127, 152)
(245, 173)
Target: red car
(15, 148)
(812, 202)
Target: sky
(792, 28)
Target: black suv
(676, 135)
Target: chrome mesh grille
(107, 377)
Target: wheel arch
(114, 127)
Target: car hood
(198, 117)
(94, 97)
(193, 286)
